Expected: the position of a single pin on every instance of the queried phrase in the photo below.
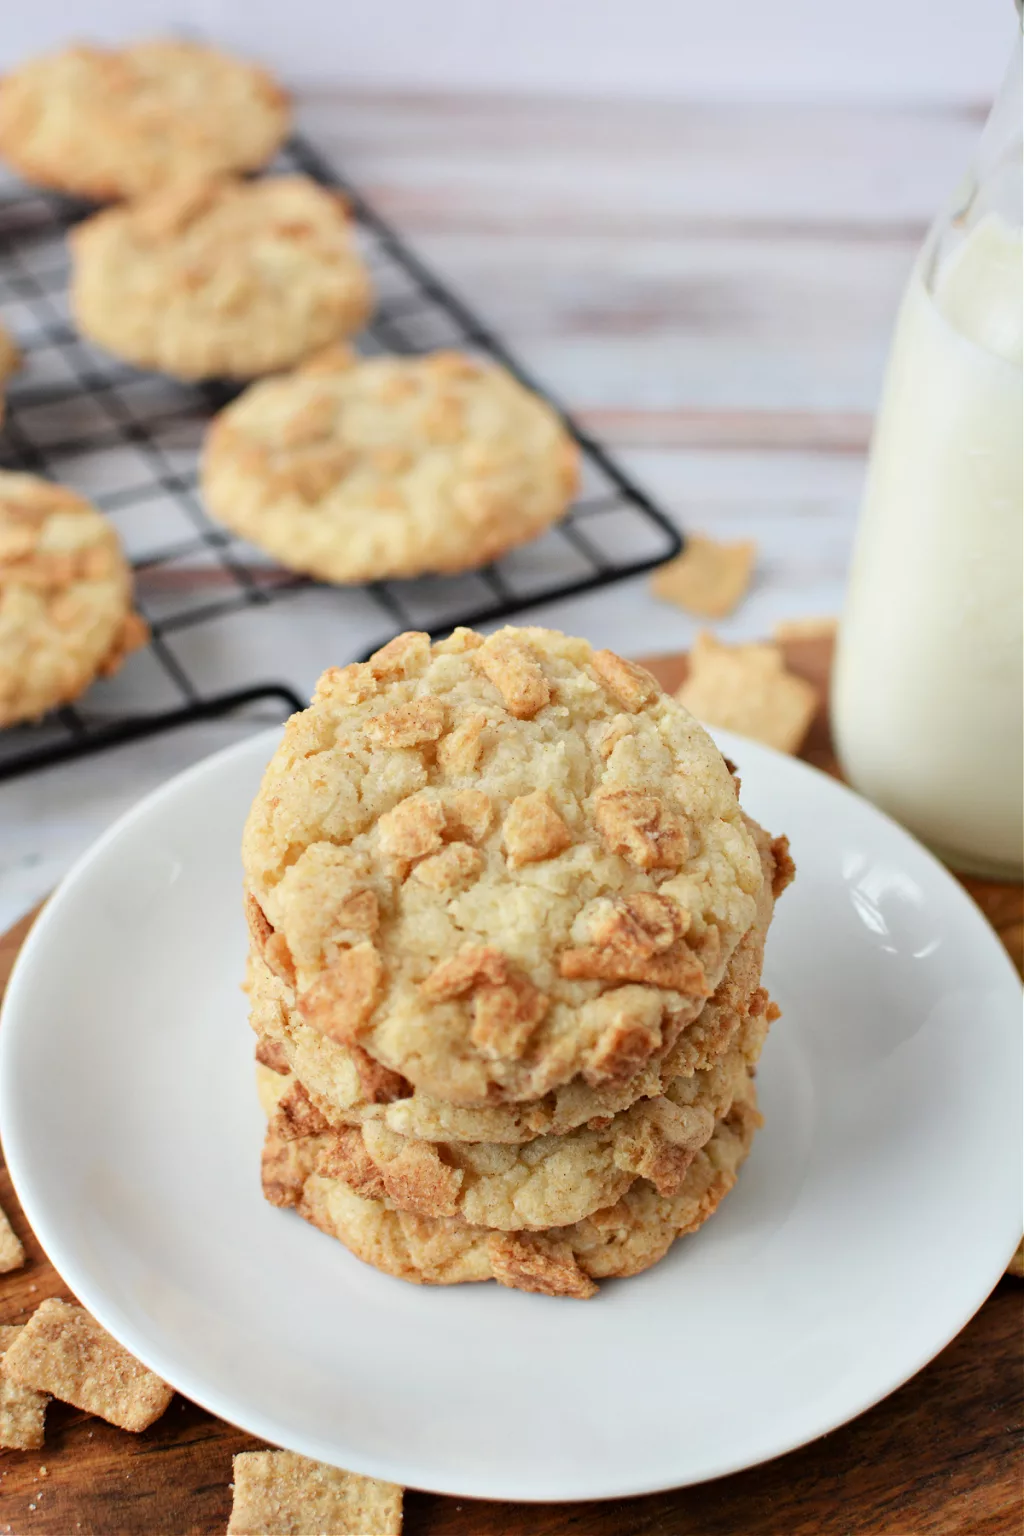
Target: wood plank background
(876, 50)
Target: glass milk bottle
(927, 692)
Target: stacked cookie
(507, 924)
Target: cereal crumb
(22, 1410)
(278, 1491)
(64, 1351)
(12, 1254)
(708, 579)
(746, 688)
(805, 628)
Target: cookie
(333, 1075)
(492, 866)
(552, 1180)
(354, 470)
(219, 277)
(10, 362)
(623, 1239)
(65, 597)
(109, 123)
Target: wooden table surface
(941, 1457)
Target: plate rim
(253, 1419)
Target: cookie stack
(507, 924)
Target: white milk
(928, 689)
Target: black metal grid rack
(129, 440)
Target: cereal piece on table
(805, 628)
(12, 1254)
(708, 578)
(22, 1409)
(63, 1350)
(746, 688)
(1016, 1264)
(280, 1494)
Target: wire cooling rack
(223, 617)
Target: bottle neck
(985, 213)
(997, 170)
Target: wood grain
(940, 1457)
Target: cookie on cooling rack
(10, 361)
(357, 469)
(104, 124)
(220, 277)
(65, 597)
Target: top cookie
(65, 597)
(220, 277)
(358, 469)
(105, 124)
(345, 1086)
(494, 865)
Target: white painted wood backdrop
(820, 50)
(712, 288)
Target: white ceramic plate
(877, 1210)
